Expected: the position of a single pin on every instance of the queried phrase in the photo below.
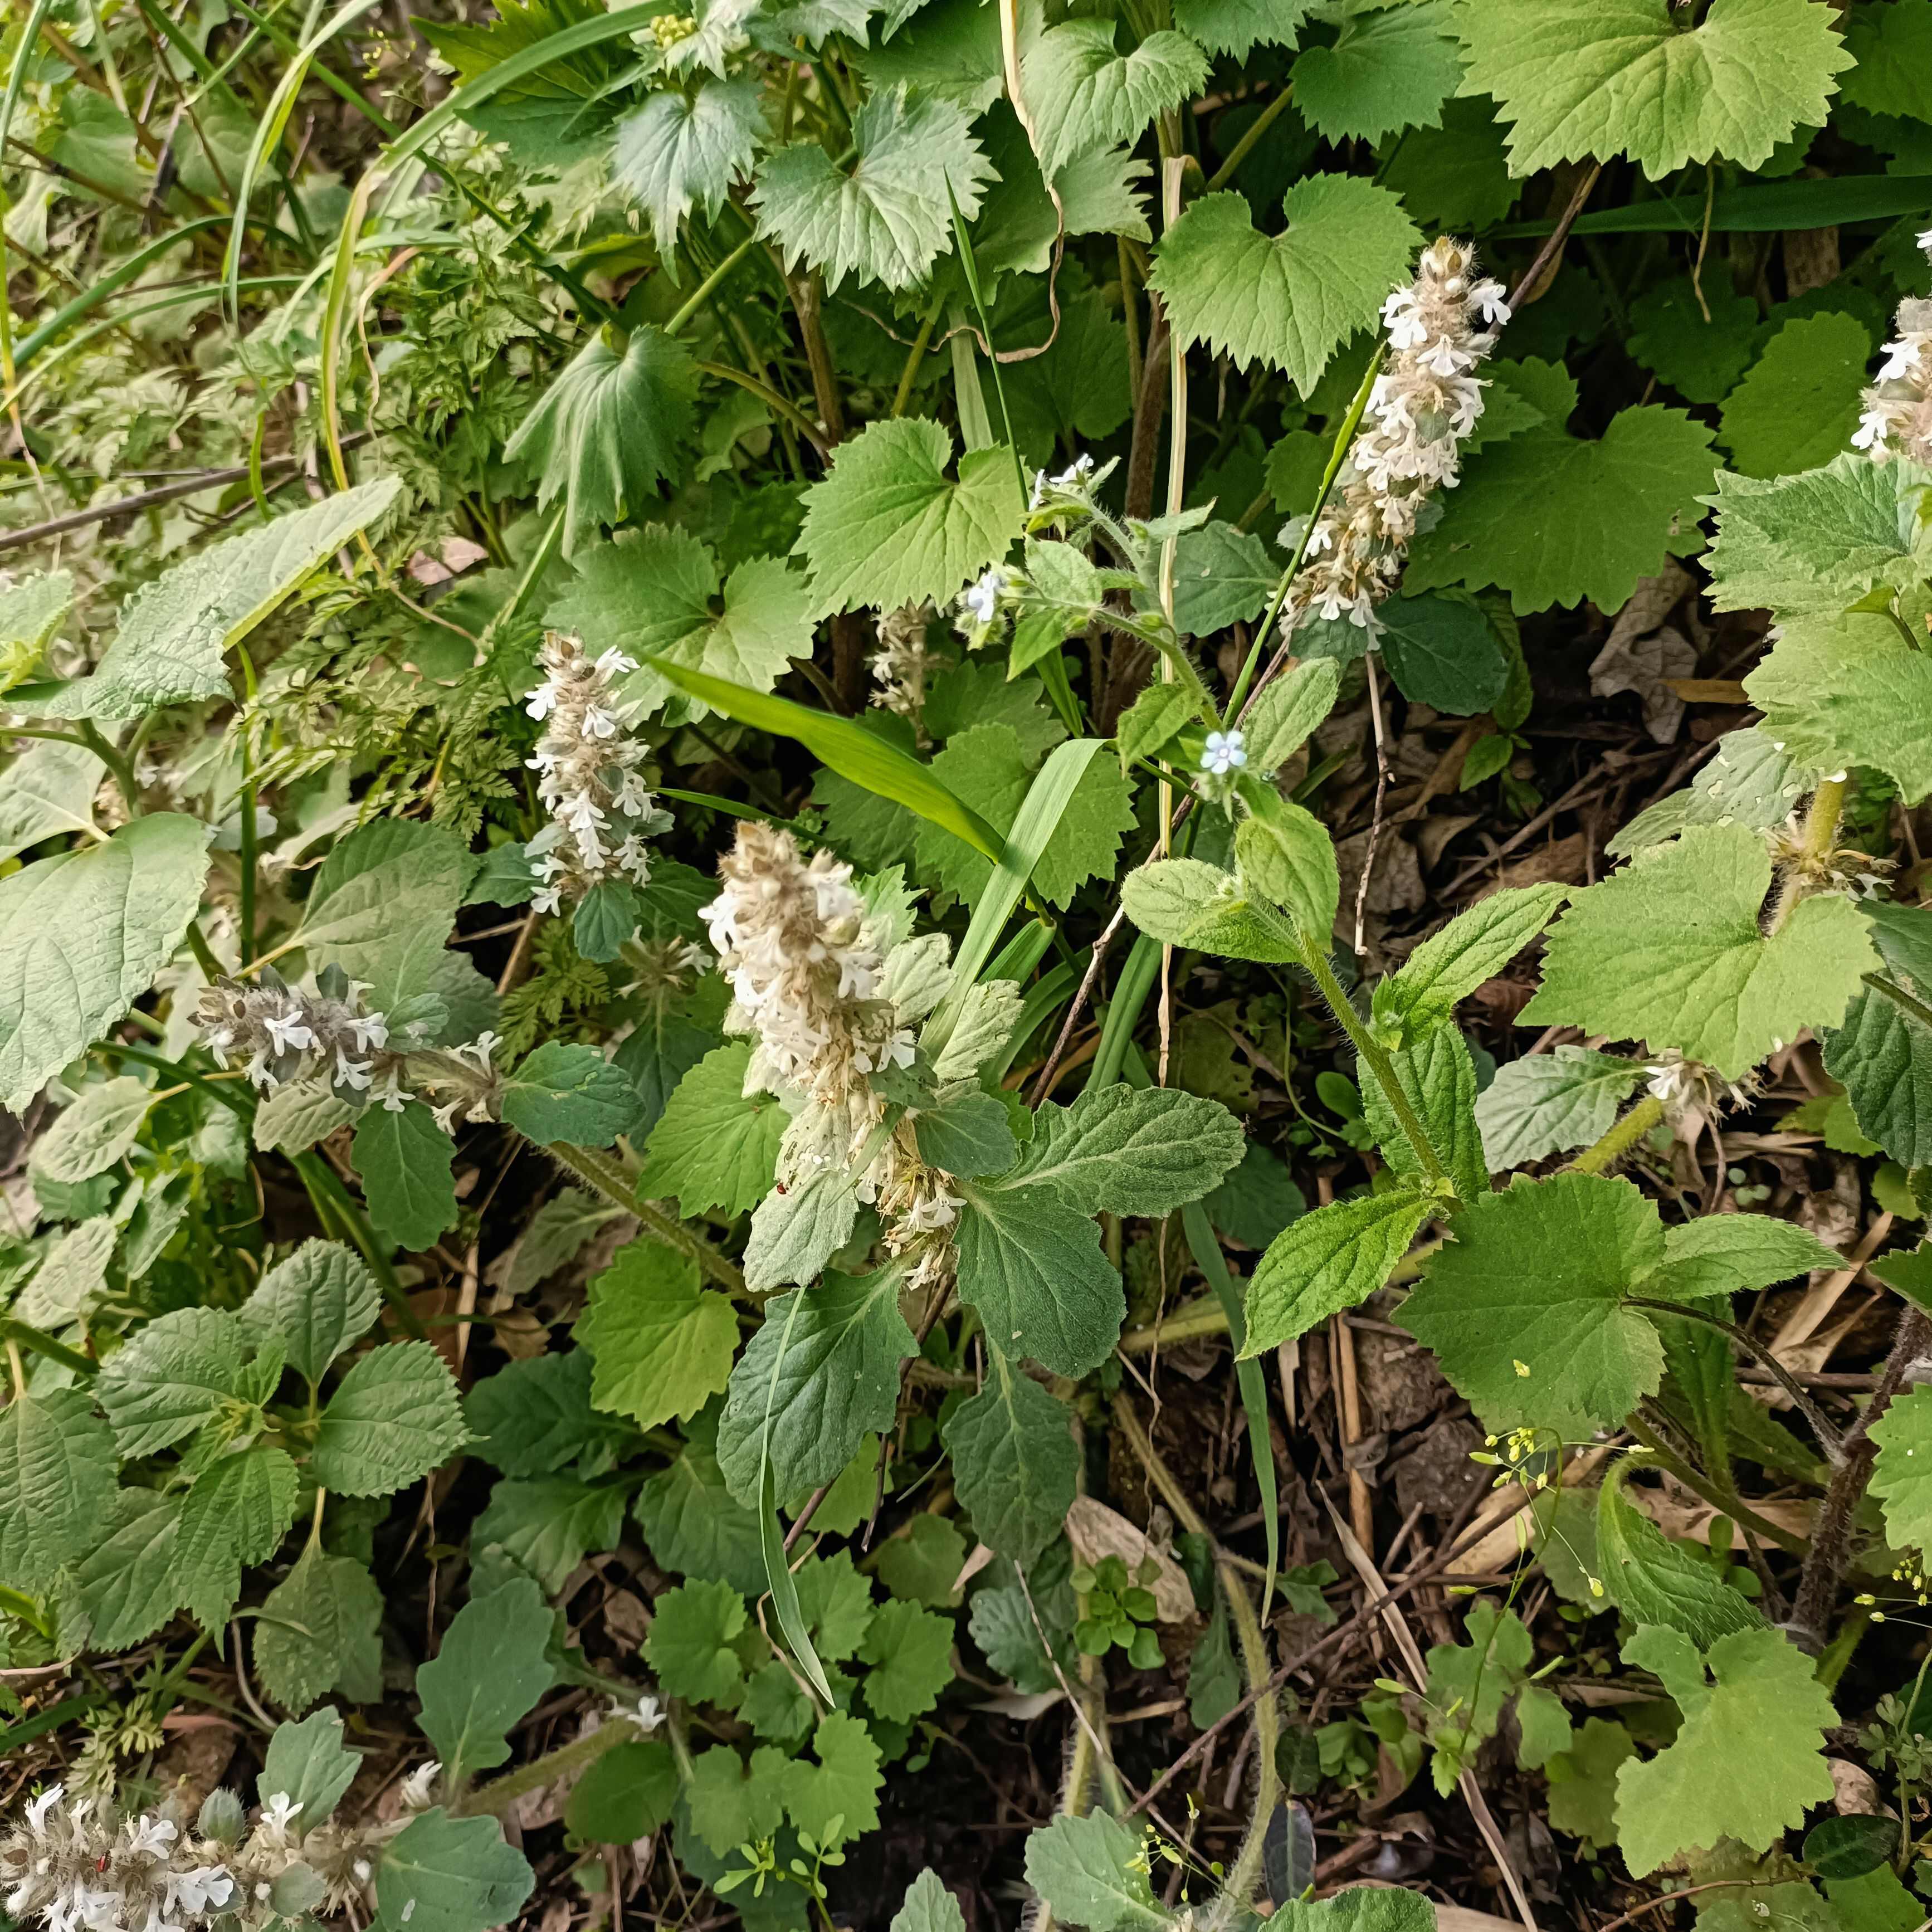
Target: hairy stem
(1603, 1155)
(1809, 863)
(608, 1177)
(1315, 956)
(497, 1797)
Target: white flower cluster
(601, 812)
(902, 664)
(791, 943)
(280, 1034)
(75, 1867)
(1422, 403)
(830, 1004)
(1898, 418)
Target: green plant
(736, 752)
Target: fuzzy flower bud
(902, 665)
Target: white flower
(278, 1811)
(288, 1034)
(418, 1787)
(150, 1836)
(371, 1029)
(349, 1072)
(646, 1712)
(982, 598)
(480, 1049)
(1900, 358)
(38, 1809)
(1225, 752)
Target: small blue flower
(1225, 752)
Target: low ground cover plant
(965, 964)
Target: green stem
(122, 768)
(1252, 139)
(706, 288)
(1316, 957)
(1605, 1154)
(1338, 452)
(13, 1331)
(772, 400)
(915, 357)
(607, 1176)
(1722, 1501)
(236, 1099)
(497, 1797)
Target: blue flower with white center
(1225, 752)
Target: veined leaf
(852, 752)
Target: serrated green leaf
(393, 1418)
(1448, 966)
(1699, 349)
(316, 1632)
(1286, 714)
(1358, 1909)
(1737, 1254)
(822, 1371)
(662, 1343)
(1902, 1477)
(1761, 1719)
(886, 218)
(384, 902)
(886, 526)
(178, 1373)
(692, 1524)
(1752, 779)
(1554, 518)
(1119, 1151)
(1331, 1259)
(1892, 44)
(314, 1304)
(1083, 95)
(1187, 902)
(1151, 721)
(1653, 1581)
(566, 1092)
(236, 1514)
(94, 1133)
(74, 1272)
(175, 631)
(57, 1483)
(1014, 1462)
(1389, 68)
(1799, 404)
(1883, 1053)
(909, 1650)
(1290, 300)
(1812, 545)
(681, 151)
(607, 430)
(533, 1417)
(966, 1131)
(1547, 1103)
(1849, 691)
(1444, 652)
(929, 1906)
(444, 1874)
(658, 591)
(690, 1643)
(1439, 1079)
(405, 1160)
(492, 1666)
(795, 1234)
(48, 790)
(1284, 852)
(81, 936)
(548, 1526)
(732, 1803)
(1088, 1870)
(1524, 1304)
(123, 1588)
(1669, 951)
(1033, 1268)
(1592, 79)
(715, 1146)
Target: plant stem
(708, 287)
(1252, 139)
(1821, 1425)
(607, 1176)
(1316, 957)
(1832, 1528)
(122, 769)
(1622, 1137)
(17, 1332)
(1238, 1893)
(1720, 1500)
(497, 1797)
